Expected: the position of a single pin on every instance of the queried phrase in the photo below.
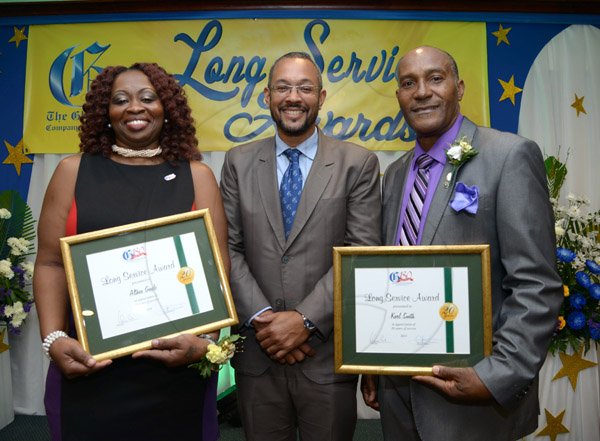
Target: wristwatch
(308, 325)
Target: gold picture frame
(400, 310)
(153, 279)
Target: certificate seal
(185, 275)
(448, 311)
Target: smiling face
(429, 93)
(135, 111)
(295, 110)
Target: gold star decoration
(16, 156)
(554, 426)
(510, 90)
(578, 105)
(19, 35)
(3, 346)
(501, 35)
(572, 365)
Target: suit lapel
(266, 174)
(441, 199)
(314, 186)
(396, 195)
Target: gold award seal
(448, 312)
(185, 275)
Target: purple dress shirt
(438, 153)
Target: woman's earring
(109, 126)
(166, 120)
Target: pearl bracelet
(209, 338)
(51, 338)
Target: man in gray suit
(285, 215)
(497, 197)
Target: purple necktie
(414, 207)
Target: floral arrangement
(17, 233)
(460, 152)
(218, 355)
(578, 263)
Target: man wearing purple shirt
(498, 197)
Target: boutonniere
(458, 153)
(465, 198)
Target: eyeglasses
(286, 89)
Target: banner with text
(223, 66)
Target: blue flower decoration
(592, 266)
(595, 291)
(576, 320)
(565, 255)
(577, 300)
(594, 329)
(583, 279)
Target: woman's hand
(177, 351)
(72, 360)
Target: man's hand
(368, 387)
(279, 333)
(299, 354)
(177, 351)
(460, 384)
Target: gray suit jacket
(340, 205)
(515, 218)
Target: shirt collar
(308, 147)
(438, 151)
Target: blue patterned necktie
(414, 207)
(290, 190)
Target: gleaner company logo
(134, 253)
(401, 277)
(65, 86)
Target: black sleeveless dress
(132, 399)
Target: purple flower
(592, 266)
(465, 198)
(565, 255)
(27, 306)
(583, 279)
(594, 290)
(577, 300)
(4, 292)
(594, 329)
(576, 320)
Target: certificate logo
(398, 277)
(448, 312)
(134, 253)
(185, 275)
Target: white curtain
(566, 69)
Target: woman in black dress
(139, 161)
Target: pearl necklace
(132, 153)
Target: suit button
(278, 303)
(285, 259)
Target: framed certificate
(137, 282)
(400, 310)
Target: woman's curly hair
(177, 137)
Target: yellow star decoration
(572, 365)
(554, 426)
(3, 346)
(502, 35)
(19, 35)
(578, 105)
(510, 90)
(16, 156)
